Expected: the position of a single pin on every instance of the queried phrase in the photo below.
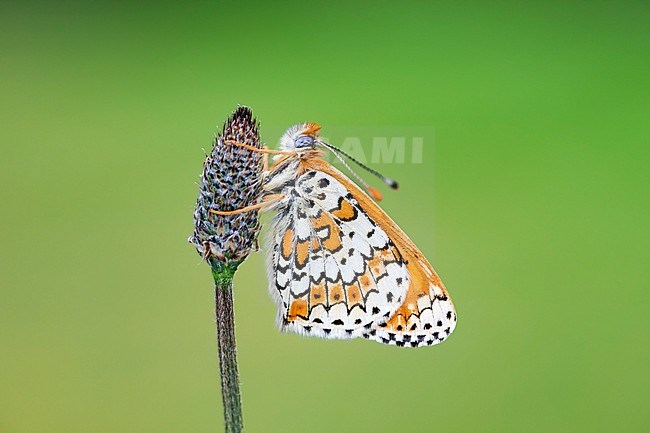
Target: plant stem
(223, 274)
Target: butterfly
(338, 266)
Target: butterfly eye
(304, 141)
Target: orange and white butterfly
(338, 266)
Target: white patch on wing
(303, 228)
(331, 268)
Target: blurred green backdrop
(532, 204)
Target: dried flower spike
(231, 179)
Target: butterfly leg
(267, 200)
(263, 150)
(265, 160)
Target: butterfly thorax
(287, 169)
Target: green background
(532, 204)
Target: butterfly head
(300, 136)
(303, 138)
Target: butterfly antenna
(338, 152)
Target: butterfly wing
(427, 315)
(341, 268)
(334, 272)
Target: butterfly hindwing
(335, 272)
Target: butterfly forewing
(427, 315)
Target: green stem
(223, 274)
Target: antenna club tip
(393, 184)
(376, 195)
